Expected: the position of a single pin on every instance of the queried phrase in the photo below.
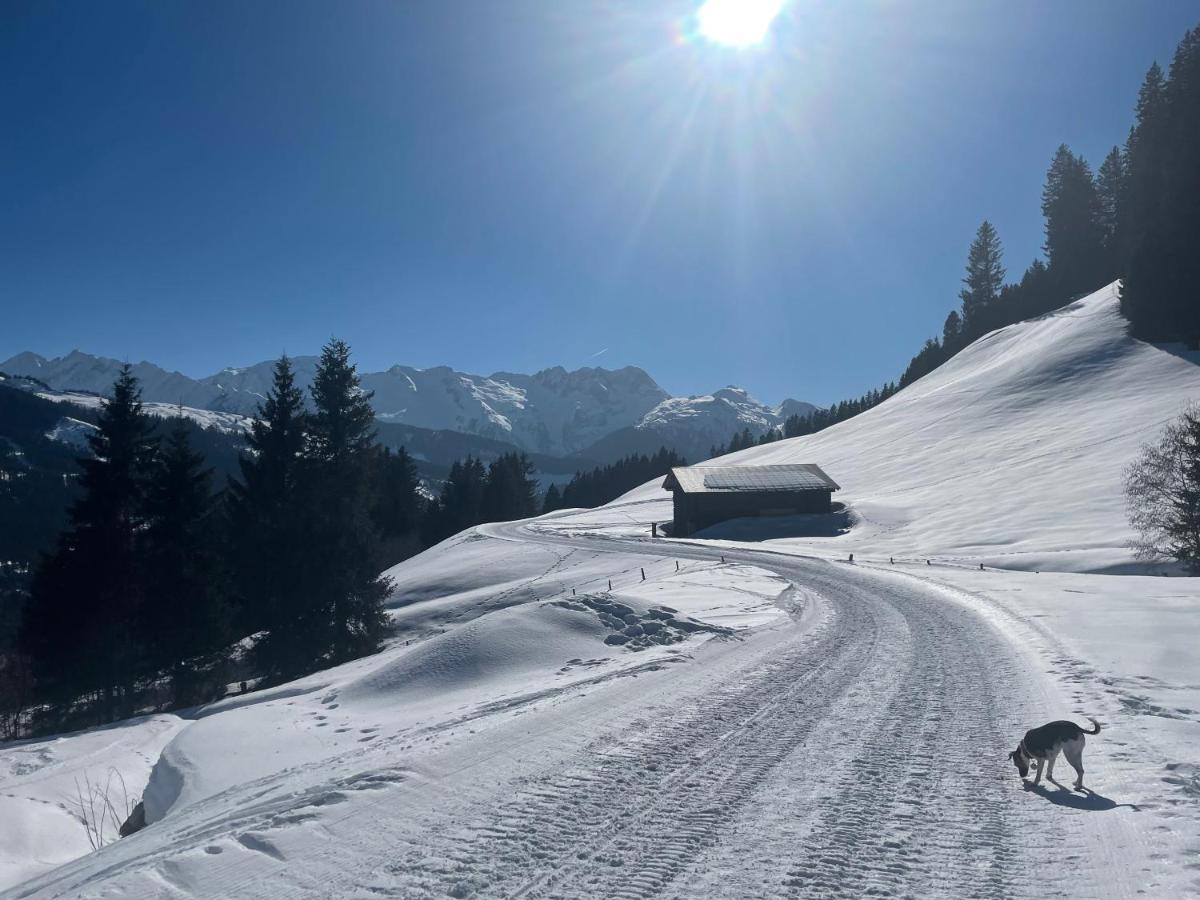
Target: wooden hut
(705, 495)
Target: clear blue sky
(513, 185)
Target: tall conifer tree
(1143, 164)
(1160, 290)
(510, 491)
(1110, 184)
(985, 276)
(185, 625)
(397, 507)
(349, 592)
(267, 518)
(80, 626)
(1074, 230)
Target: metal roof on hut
(729, 479)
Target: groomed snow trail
(854, 749)
(865, 755)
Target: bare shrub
(101, 808)
(1162, 494)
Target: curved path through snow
(863, 753)
(855, 748)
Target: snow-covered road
(854, 746)
(860, 748)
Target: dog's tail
(1095, 723)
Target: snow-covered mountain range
(552, 411)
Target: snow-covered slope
(78, 371)
(712, 419)
(1011, 454)
(692, 426)
(230, 423)
(553, 411)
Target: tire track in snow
(668, 782)
(916, 800)
(628, 819)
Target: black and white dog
(1042, 745)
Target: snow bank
(41, 783)
(506, 646)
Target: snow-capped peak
(555, 410)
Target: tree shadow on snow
(1087, 799)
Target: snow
(41, 783)
(1010, 455)
(478, 635)
(806, 725)
(712, 419)
(230, 423)
(552, 411)
(71, 431)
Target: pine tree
(460, 505)
(398, 505)
(951, 329)
(347, 593)
(268, 534)
(184, 621)
(1159, 294)
(1110, 185)
(510, 490)
(1143, 165)
(985, 275)
(552, 500)
(1074, 231)
(605, 483)
(80, 626)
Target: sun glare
(738, 23)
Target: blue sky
(515, 185)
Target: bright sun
(738, 23)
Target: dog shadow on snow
(1087, 799)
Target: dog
(1042, 745)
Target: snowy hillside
(711, 419)
(78, 371)
(570, 708)
(230, 423)
(1011, 454)
(553, 411)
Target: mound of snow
(43, 782)
(507, 645)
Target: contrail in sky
(598, 353)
